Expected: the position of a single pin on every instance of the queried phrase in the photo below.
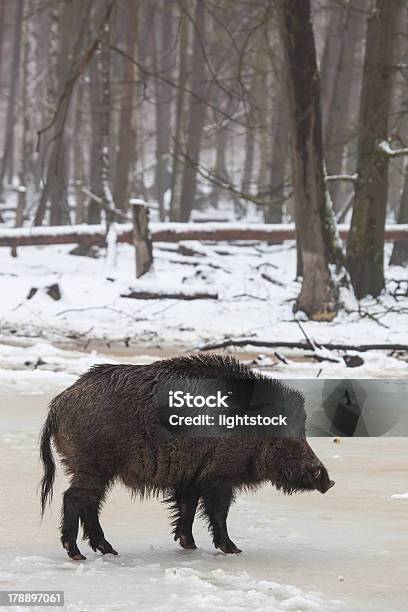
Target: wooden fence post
(141, 236)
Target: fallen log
(176, 232)
(183, 293)
(331, 346)
(89, 235)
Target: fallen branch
(362, 348)
(169, 294)
(191, 261)
(248, 295)
(315, 347)
(119, 213)
(272, 280)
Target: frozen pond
(306, 552)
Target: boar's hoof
(186, 542)
(79, 557)
(104, 547)
(227, 547)
(73, 552)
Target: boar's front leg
(185, 503)
(216, 503)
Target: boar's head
(297, 468)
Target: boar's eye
(317, 473)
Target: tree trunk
(12, 100)
(399, 256)
(339, 67)
(278, 165)
(252, 123)
(58, 177)
(103, 63)
(79, 158)
(365, 247)
(126, 156)
(162, 48)
(63, 65)
(96, 143)
(317, 296)
(2, 29)
(196, 114)
(28, 164)
(181, 113)
(220, 167)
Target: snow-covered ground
(256, 291)
(345, 550)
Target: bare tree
(29, 167)
(68, 69)
(365, 246)
(317, 296)
(180, 118)
(163, 59)
(196, 114)
(341, 83)
(12, 100)
(126, 155)
(399, 256)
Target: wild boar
(105, 428)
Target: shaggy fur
(105, 428)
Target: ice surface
(294, 548)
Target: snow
(93, 313)
(165, 589)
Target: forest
(243, 111)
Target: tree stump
(21, 206)
(141, 236)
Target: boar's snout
(327, 486)
(322, 480)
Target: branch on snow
(362, 348)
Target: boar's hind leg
(89, 515)
(184, 506)
(82, 501)
(216, 503)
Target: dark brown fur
(105, 428)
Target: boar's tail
(47, 459)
